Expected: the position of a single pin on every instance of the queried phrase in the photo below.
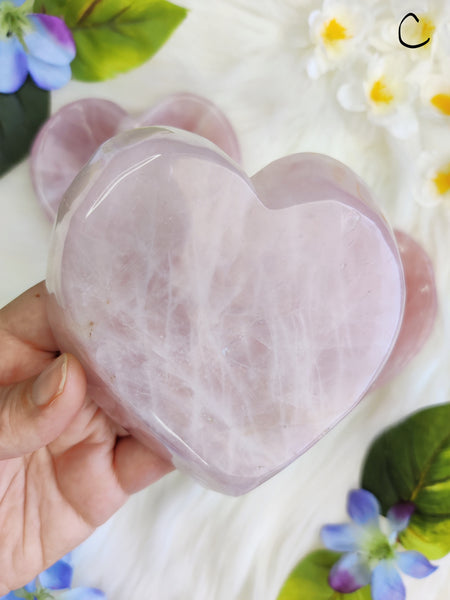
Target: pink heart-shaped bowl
(227, 321)
(70, 137)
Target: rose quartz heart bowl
(72, 135)
(229, 322)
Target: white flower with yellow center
(435, 94)
(338, 31)
(434, 172)
(385, 93)
(418, 28)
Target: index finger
(27, 344)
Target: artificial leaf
(21, 116)
(51, 7)
(309, 580)
(411, 462)
(113, 36)
(23, 593)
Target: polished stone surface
(233, 320)
(70, 137)
(66, 142)
(420, 308)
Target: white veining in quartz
(233, 333)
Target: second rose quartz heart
(229, 322)
(68, 139)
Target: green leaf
(51, 7)
(113, 36)
(22, 593)
(21, 115)
(411, 462)
(309, 580)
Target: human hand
(65, 467)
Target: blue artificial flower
(38, 44)
(370, 555)
(56, 577)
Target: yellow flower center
(380, 93)
(427, 28)
(442, 180)
(442, 103)
(334, 32)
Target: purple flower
(57, 577)
(371, 555)
(41, 45)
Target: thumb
(35, 412)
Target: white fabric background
(177, 540)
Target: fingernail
(50, 382)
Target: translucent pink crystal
(66, 142)
(420, 308)
(232, 320)
(70, 137)
(196, 114)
